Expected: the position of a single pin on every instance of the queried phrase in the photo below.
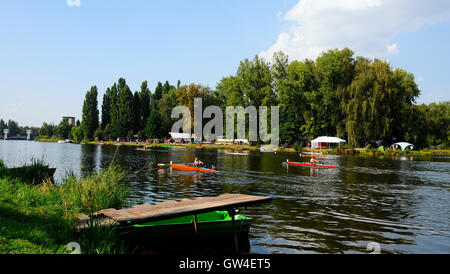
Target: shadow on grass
(29, 233)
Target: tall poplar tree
(144, 98)
(90, 114)
(136, 112)
(125, 109)
(106, 108)
(115, 122)
(157, 95)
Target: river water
(401, 204)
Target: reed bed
(42, 218)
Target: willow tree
(377, 102)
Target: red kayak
(191, 168)
(308, 164)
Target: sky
(52, 52)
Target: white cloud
(392, 49)
(365, 26)
(73, 3)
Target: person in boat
(197, 162)
(314, 161)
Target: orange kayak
(191, 168)
(308, 164)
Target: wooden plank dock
(172, 209)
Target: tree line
(15, 128)
(338, 94)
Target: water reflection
(399, 203)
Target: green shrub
(298, 147)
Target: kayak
(308, 165)
(143, 149)
(191, 168)
(210, 225)
(237, 153)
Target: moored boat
(214, 224)
(143, 148)
(237, 153)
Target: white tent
(325, 141)
(403, 146)
(220, 139)
(182, 136)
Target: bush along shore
(42, 218)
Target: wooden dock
(172, 209)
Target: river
(401, 204)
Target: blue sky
(51, 53)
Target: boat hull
(237, 153)
(308, 165)
(211, 227)
(191, 168)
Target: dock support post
(195, 224)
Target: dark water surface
(401, 204)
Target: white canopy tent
(325, 141)
(403, 146)
(220, 139)
(177, 136)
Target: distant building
(71, 120)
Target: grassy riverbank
(46, 139)
(196, 146)
(36, 219)
(344, 150)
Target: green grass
(36, 219)
(46, 139)
(419, 153)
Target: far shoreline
(343, 150)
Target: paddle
(168, 165)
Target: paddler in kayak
(197, 162)
(314, 161)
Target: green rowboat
(212, 225)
